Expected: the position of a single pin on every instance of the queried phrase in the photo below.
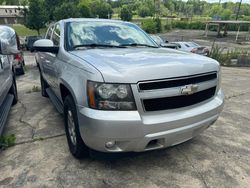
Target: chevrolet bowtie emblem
(189, 89)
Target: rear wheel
(22, 71)
(13, 90)
(44, 86)
(75, 142)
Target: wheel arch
(65, 90)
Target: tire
(44, 86)
(21, 70)
(13, 90)
(76, 145)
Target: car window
(49, 32)
(157, 39)
(56, 35)
(187, 45)
(193, 44)
(108, 33)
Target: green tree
(84, 11)
(144, 11)
(35, 17)
(226, 14)
(84, 8)
(126, 13)
(9, 2)
(101, 9)
(67, 10)
(50, 7)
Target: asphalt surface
(219, 157)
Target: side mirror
(166, 41)
(8, 49)
(45, 45)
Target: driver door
(50, 61)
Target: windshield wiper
(94, 45)
(136, 44)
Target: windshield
(157, 39)
(87, 33)
(193, 44)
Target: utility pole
(238, 11)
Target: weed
(7, 141)
(34, 89)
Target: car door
(54, 60)
(45, 59)
(5, 76)
(1, 80)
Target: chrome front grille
(167, 94)
(175, 82)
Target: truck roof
(92, 20)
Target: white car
(192, 47)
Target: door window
(56, 35)
(49, 33)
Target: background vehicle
(120, 92)
(192, 47)
(29, 41)
(163, 44)
(8, 90)
(18, 61)
(19, 64)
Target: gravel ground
(219, 157)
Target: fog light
(110, 144)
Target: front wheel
(75, 142)
(44, 86)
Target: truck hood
(131, 65)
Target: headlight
(105, 96)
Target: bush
(197, 25)
(126, 13)
(223, 58)
(158, 24)
(149, 25)
(168, 27)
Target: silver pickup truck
(120, 92)
(8, 90)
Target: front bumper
(136, 132)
